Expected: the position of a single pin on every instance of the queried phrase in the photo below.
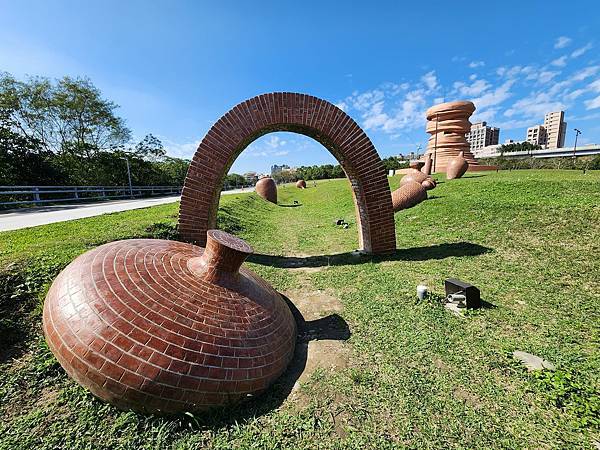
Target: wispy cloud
(476, 64)
(562, 42)
(580, 51)
(560, 62)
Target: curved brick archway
(300, 113)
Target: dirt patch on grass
(322, 333)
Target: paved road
(31, 217)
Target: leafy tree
(150, 148)
(518, 147)
(66, 115)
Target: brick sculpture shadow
(303, 114)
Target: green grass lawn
(417, 377)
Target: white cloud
(543, 76)
(475, 64)
(535, 105)
(580, 51)
(495, 97)
(184, 150)
(560, 62)
(562, 42)
(430, 80)
(342, 105)
(593, 103)
(472, 90)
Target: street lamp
(577, 133)
(128, 176)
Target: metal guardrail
(17, 195)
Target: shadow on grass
(438, 251)
(332, 327)
(289, 205)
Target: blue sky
(176, 67)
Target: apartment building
(537, 135)
(552, 133)
(556, 129)
(482, 135)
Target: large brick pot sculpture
(300, 113)
(267, 189)
(164, 326)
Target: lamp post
(577, 133)
(437, 119)
(129, 176)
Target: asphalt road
(15, 219)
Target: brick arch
(299, 113)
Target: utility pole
(437, 120)
(577, 133)
(129, 176)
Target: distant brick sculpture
(300, 113)
(448, 123)
(413, 176)
(408, 195)
(457, 166)
(301, 184)
(267, 189)
(429, 184)
(426, 169)
(164, 326)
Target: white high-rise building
(556, 128)
(552, 133)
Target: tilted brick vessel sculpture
(413, 176)
(448, 123)
(456, 167)
(426, 169)
(267, 189)
(301, 184)
(164, 326)
(408, 195)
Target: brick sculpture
(448, 123)
(301, 184)
(415, 176)
(408, 195)
(164, 326)
(456, 167)
(426, 169)
(267, 189)
(300, 113)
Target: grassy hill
(416, 375)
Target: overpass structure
(493, 151)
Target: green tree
(66, 115)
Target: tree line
(63, 132)
(329, 171)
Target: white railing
(15, 195)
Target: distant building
(275, 169)
(251, 177)
(551, 134)
(556, 128)
(482, 135)
(537, 135)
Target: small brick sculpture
(457, 167)
(301, 184)
(428, 184)
(417, 165)
(267, 189)
(408, 195)
(413, 176)
(163, 326)
(426, 169)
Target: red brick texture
(163, 326)
(300, 113)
